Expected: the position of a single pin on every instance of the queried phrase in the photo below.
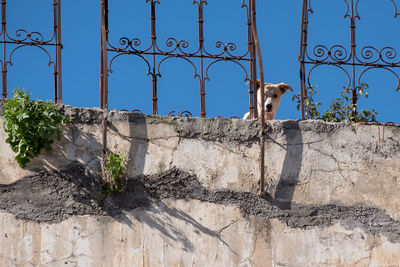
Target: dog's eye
(275, 96)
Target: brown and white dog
(272, 98)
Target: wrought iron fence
(23, 38)
(200, 59)
(354, 62)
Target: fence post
(201, 48)
(253, 70)
(55, 32)
(58, 52)
(103, 56)
(4, 61)
(354, 97)
(303, 49)
(153, 38)
(104, 76)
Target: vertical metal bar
(353, 52)
(4, 63)
(105, 54)
(303, 49)
(55, 73)
(103, 59)
(153, 44)
(104, 76)
(59, 47)
(261, 117)
(101, 54)
(253, 77)
(201, 46)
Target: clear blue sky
(130, 87)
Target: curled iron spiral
(200, 2)
(201, 60)
(388, 54)
(185, 114)
(26, 36)
(153, 1)
(175, 45)
(371, 55)
(226, 50)
(137, 111)
(321, 53)
(337, 53)
(128, 45)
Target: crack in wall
(253, 250)
(174, 151)
(339, 169)
(227, 226)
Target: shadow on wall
(76, 145)
(137, 139)
(152, 212)
(291, 166)
(156, 214)
(70, 188)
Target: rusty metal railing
(200, 58)
(23, 38)
(367, 58)
(153, 56)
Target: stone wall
(191, 199)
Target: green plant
(31, 125)
(114, 170)
(341, 109)
(310, 107)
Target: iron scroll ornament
(199, 58)
(23, 38)
(347, 60)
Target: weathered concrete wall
(332, 195)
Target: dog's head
(272, 96)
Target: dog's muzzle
(268, 107)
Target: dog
(272, 97)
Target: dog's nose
(269, 107)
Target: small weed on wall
(31, 125)
(341, 109)
(114, 172)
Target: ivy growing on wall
(31, 125)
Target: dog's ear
(258, 83)
(284, 87)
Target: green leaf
(30, 125)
